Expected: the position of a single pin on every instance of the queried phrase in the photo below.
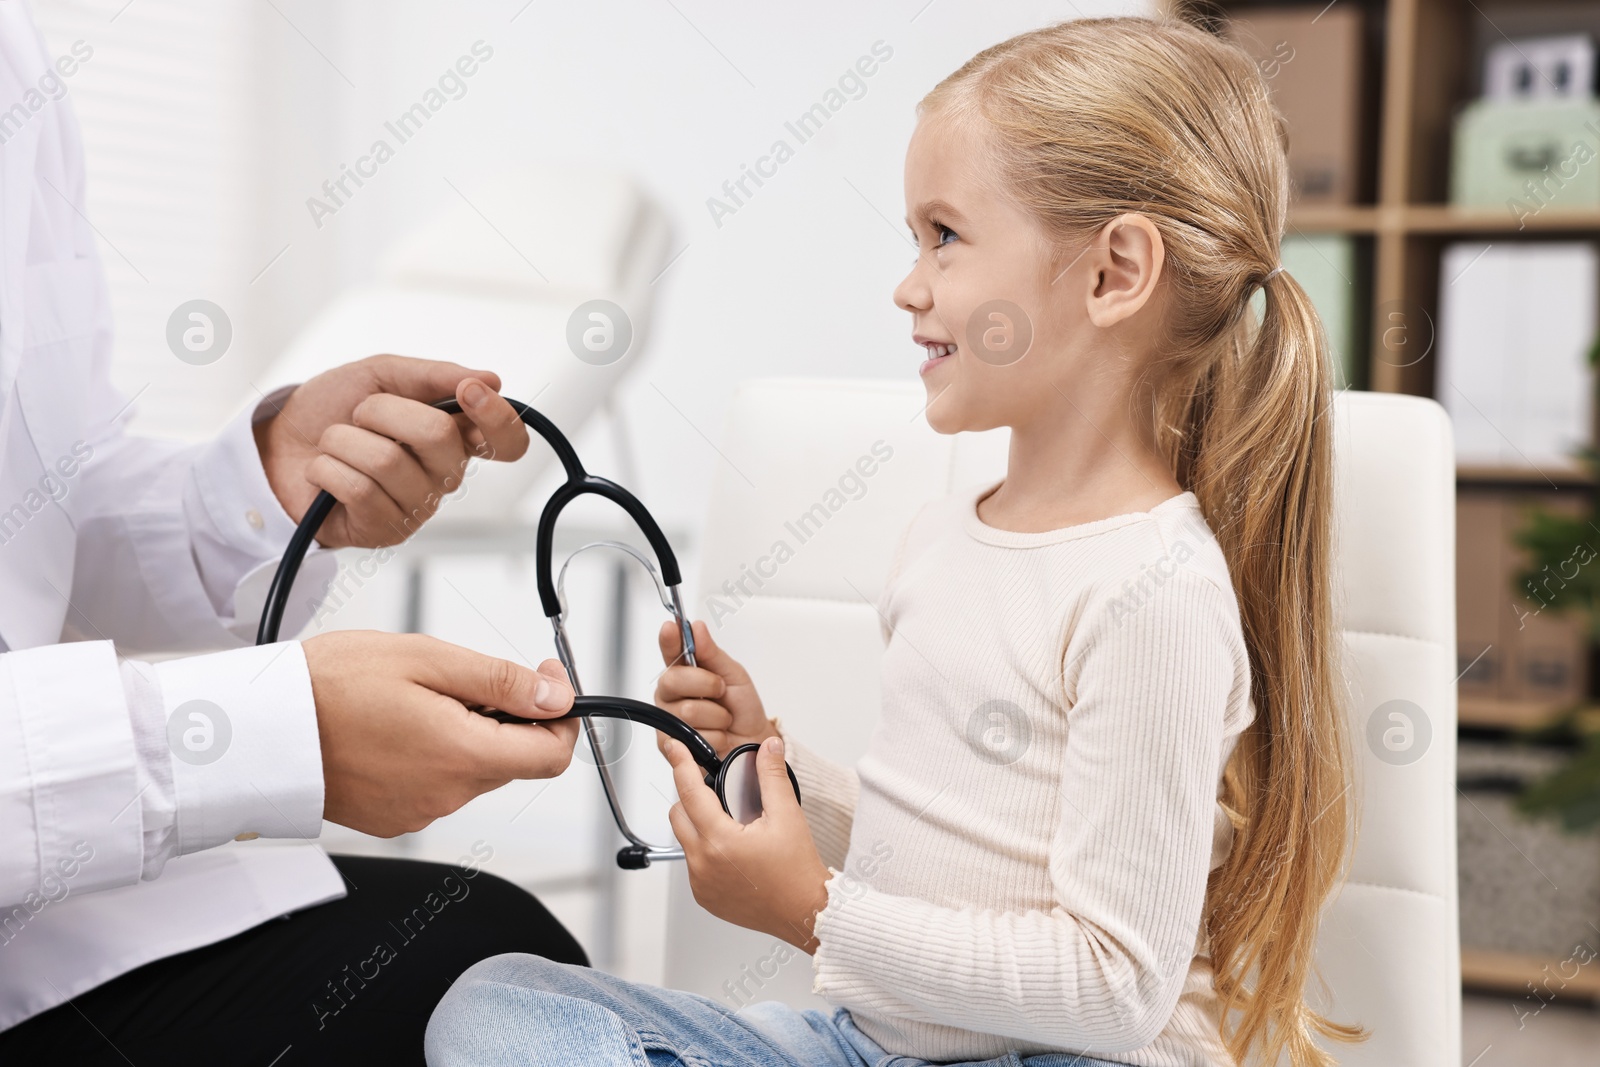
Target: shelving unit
(1424, 69)
(1423, 59)
(1508, 972)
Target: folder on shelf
(1516, 321)
(1325, 267)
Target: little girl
(1106, 799)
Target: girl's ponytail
(1095, 118)
(1261, 464)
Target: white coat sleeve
(176, 543)
(109, 769)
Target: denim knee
(513, 1005)
(532, 972)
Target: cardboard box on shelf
(1314, 60)
(1481, 594)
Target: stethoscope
(732, 777)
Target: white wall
(209, 125)
(272, 98)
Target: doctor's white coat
(109, 840)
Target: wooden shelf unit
(1512, 973)
(1425, 75)
(1520, 715)
(1424, 67)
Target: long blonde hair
(1095, 118)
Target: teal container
(1527, 156)
(1325, 267)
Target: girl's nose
(913, 294)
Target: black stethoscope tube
(579, 482)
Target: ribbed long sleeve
(828, 792)
(1037, 815)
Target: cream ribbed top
(1019, 860)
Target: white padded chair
(809, 635)
(491, 282)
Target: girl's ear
(1128, 258)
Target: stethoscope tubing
(579, 482)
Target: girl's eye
(941, 231)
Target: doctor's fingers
(474, 678)
(372, 518)
(398, 473)
(433, 437)
(495, 430)
(422, 379)
(521, 750)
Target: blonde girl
(1107, 796)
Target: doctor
(132, 928)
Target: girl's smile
(938, 352)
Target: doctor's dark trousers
(352, 981)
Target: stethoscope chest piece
(737, 783)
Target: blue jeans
(528, 1011)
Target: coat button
(253, 517)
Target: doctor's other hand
(399, 746)
(367, 433)
(766, 875)
(716, 697)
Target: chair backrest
(495, 283)
(793, 600)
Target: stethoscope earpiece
(733, 777)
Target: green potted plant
(1554, 541)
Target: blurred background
(683, 195)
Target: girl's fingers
(712, 656)
(772, 774)
(703, 715)
(671, 642)
(683, 829)
(683, 680)
(715, 738)
(700, 804)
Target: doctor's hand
(367, 433)
(399, 747)
(765, 875)
(717, 697)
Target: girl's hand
(764, 876)
(717, 698)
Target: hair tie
(1273, 273)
